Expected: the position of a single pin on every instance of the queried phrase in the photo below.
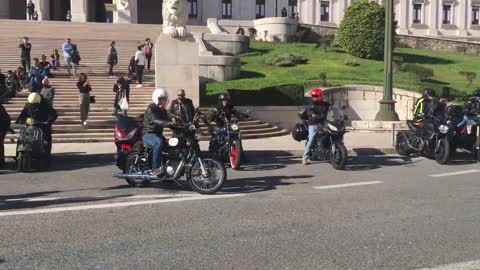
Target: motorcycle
(181, 156)
(32, 146)
(226, 141)
(464, 131)
(329, 141)
(128, 131)
(428, 138)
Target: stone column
(43, 9)
(4, 9)
(341, 6)
(79, 10)
(403, 17)
(309, 10)
(463, 16)
(433, 18)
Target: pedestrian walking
(55, 59)
(30, 10)
(47, 92)
(67, 48)
(112, 58)
(84, 89)
(148, 49)
(139, 65)
(36, 75)
(122, 96)
(4, 128)
(25, 49)
(76, 55)
(69, 16)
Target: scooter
(32, 145)
(128, 131)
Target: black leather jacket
(42, 112)
(183, 109)
(229, 112)
(155, 120)
(316, 112)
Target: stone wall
(439, 44)
(315, 33)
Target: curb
(351, 152)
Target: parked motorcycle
(181, 156)
(329, 141)
(226, 141)
(128, 131)
(32, 147)
(426, 137)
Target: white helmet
(34, 98)
(159, 93)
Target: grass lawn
(256, 74)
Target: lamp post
(387, 104)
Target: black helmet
(223, 96)
(428, 92)
(300, 132)
(476, 92)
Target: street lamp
(387, 104)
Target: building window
(227, 9)
(475, 15)
(260, 9)
(417, 13)
(325, 11)
(447, 14)
(292, 8)
(192, 8)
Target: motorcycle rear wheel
(216, 176)
(338, 158)
(442, 154)
(24, 162)
(235, 155)
(401, 145)
(134, 164)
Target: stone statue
(124, 5)
(175, 17)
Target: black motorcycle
(180, 157)
(329, 140)
(32, 147)
(226, 141)
(427, 137)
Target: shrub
(469, 76)
(362, 31)
(280, 95)
(323, 79)
(351, 62)
(421, 73)
(286, 60)
(397, 63)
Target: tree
(362, 31)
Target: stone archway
(59, 9)
(13, 9)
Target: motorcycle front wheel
(210, 182)
(401, 145)
(442, 152)
(136, 164)
(338, 157)
(235, 155)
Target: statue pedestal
(177, 66)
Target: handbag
(123, 103)
(92, 99)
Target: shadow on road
(365, 163)
(260, 184)
(77, 161)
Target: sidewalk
(359, 142)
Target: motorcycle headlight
(234, 127)
(443, 129)
(332, 127)
(126, 137)
(173, 142)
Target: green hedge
(280, 95)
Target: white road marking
(350, 185)
(114, 205)
(454, 173)
(471, 265)
(110, 197)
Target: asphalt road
(275, 214)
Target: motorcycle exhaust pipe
(144, 176)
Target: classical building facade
(449, 18)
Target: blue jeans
(312, 133)
(157, 144)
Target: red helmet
(317, 94)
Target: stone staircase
(93, 50)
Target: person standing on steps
(69, 16)
(112, 58)
(30, 10)
(148, 49)
(25, 49)
(122, 96)
(46, 66)
(36, 75)
(84, 89)
(47, 92)
(67, 48)
(140, 60)
(55, 59)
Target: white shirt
(140, 58)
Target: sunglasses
(180, 95)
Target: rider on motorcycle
(423, 103)
(156, 118)
(471, 108)
(39, 110)
(314, 115)
(225, 107)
